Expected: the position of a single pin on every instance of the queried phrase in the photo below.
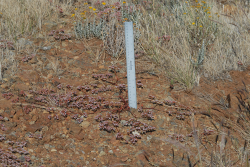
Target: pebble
(46, 146)
(85, 124)
(46, 48)
(33, 157)
(123, 122)
(149, 137)
(22, 158)
(100, 149)
(102, 153)
(45, 128)
(32, 122)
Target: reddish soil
(55, 139)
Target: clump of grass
(27, 19)
(189, 28)
(188, 24)
(7, 61)
(243, 114)
(224, 150)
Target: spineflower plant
(201, 25)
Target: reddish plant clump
(5, 44)
(7, 95)
(27, 58)
(68, 103)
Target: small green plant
(202, 27)
(200, 56)
(85, 26)
(90, 30)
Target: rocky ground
(67, 106)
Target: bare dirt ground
(55, 112)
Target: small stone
(102, 153)
(45, 128)
(123, 122)
(149, 138)
(76, 57)
(29, 96)
(52, 137)
(169, 98)
(38, 150)
(90, 137)
(33, 60)
(101, 66)
(53, 150)
(64, 44)
(49, 76)
(63, 136)
(124, 158)
(22, 158)
(135, 133)
(45, 112)
(46, 48)
(32, 122)
(111, 151)
(6, 119)
(85, 124)
(33, 157)
(46, 146)
(5, 79)
(74, 129)
(4, 86)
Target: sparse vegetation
(185, 39)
